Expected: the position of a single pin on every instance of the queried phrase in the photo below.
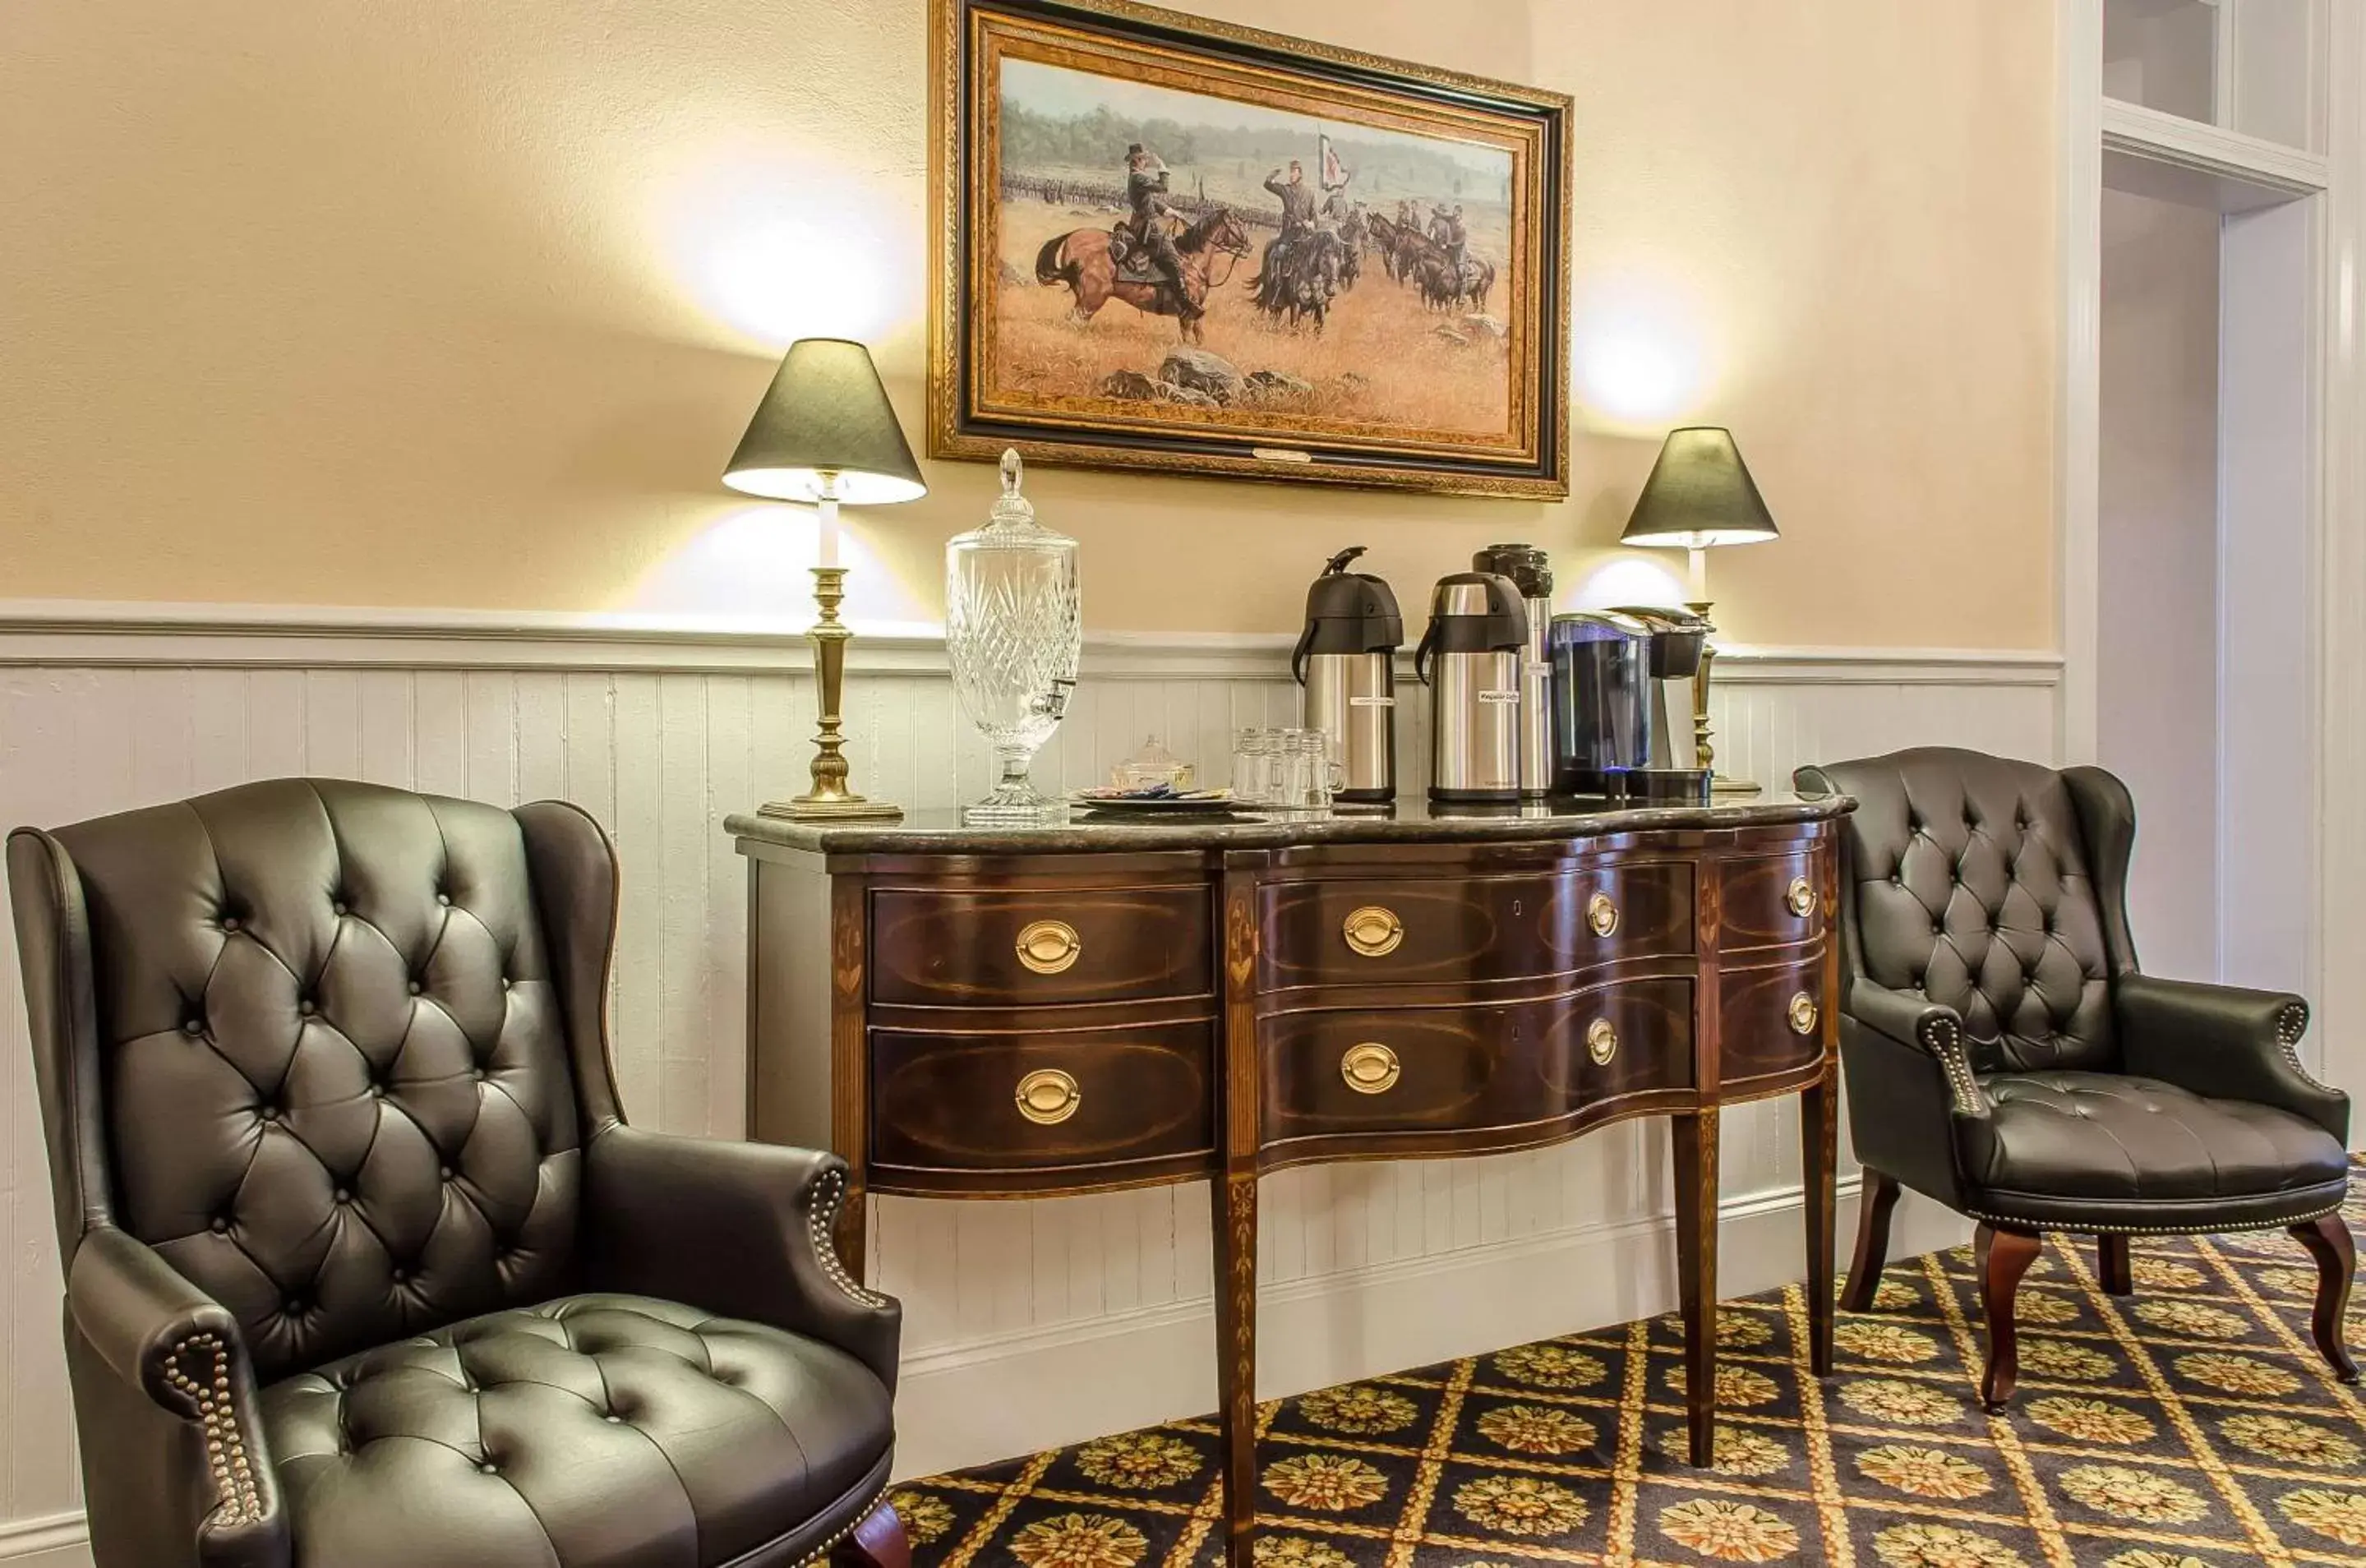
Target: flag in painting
(1335, 173)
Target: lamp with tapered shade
(1700, 495)
(825, 434)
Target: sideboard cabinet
(996, 1012)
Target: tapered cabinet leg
(1874, 1201)
(2328, 1240)
(2003, 1257)
(1819, 1136)
(879, 1542)
(1235, 1200)
(1694, 1140)
(2111, 1266)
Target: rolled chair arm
(165, 1337)
(2226, 1042)
(740, 1229)
(1936, 1030)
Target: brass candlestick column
(1707, 753)
(829, 795)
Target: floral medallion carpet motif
(2189, 1426)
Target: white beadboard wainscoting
(1026, 1322)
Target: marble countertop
(1410, 822)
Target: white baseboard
(996, 1399)
(56, 1541)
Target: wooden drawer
(1471, 1068)
(1771, 1021)
(951, 947)
(1457, 930)
(1048, 1100)
(1774, 899)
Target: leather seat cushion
(2083, 1139)
(606, 1429)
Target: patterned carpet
(2188, 1426)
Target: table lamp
(825, 434)
(1700, 495)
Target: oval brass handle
(1602, 914)
(1049, 946)
(1370, 1068)
(1803, 1013)
(1600, 1042)
(1800, 897)
(1372, 930)
(1048, 1097)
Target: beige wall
(437, 304)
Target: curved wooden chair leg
(2111, 1266)
(879, 1542)
(2004, 1256)
(1874, 1201)
(2328, 1240)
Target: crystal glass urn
(1014, 628)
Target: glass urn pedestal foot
(1015, 801)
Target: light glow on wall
(1643, 364)
(748, 566)
(779, 246)
(1639, 579)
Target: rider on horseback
(1146, 199)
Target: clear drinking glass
(1308, 777)
(1256, 753)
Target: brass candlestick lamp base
(829, 799)
(1718, 783)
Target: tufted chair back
(333, 1079)
(1971, 882)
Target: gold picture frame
(1436, 359)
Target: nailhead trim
(2083, 1229)
(1944, 1039)
(226, 1456)
(848, 1528)
(2291, 1024)
(821, 1222)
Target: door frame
(2334, 527)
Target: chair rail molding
(660, 729)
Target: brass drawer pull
(1800, 897)
(1048, 947)
(1373, 932)
(1048, 1097)
(1370, 1068)
(1602, 914)
(1600, 1042)
(1803, 1014)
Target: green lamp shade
(825, 424)
(1699, 494)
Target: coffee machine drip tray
(1655, 786)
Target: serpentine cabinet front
(997, 1023)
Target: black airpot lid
(1524, 564)
(1350, 611)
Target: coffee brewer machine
(1470, 659)
(1346, 659)
(1529, 570)
(1622, 706)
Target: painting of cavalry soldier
(1153, 250)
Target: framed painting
(1166, 243)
